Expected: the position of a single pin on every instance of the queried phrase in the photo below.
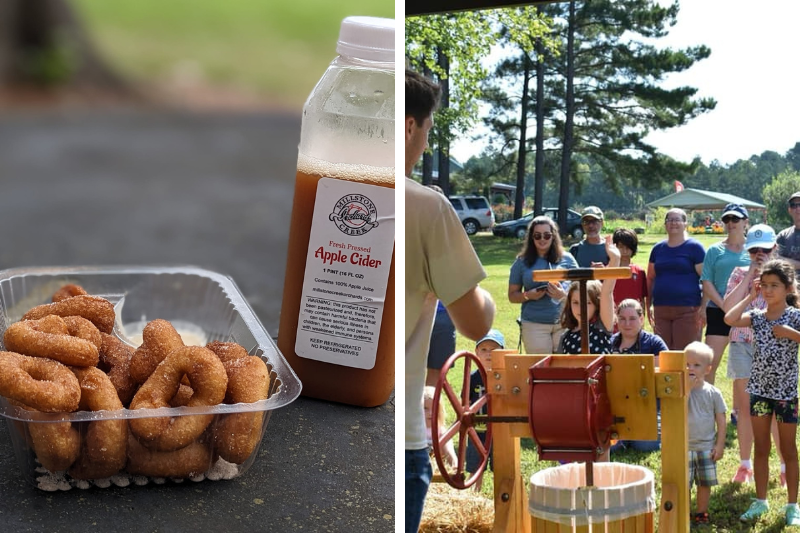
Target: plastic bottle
(337, 316)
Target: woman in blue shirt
(541, 301)
(721, 259)
(673, 279)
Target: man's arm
(473, 313)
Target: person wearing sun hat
(721, 258)
(789, 238)
(591, 251)
(760, 245)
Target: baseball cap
(592, 212)
(795, 195)
(493, 335)
(760, 236)
(737, 210)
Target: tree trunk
(443, 143)
(519, 201)
(43, 43)
(427, 157)
(566, 149)
(538, 176)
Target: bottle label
(347, 270)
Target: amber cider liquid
(327, 381)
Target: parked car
(475, 212)
(518, 227)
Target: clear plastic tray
(209, 301)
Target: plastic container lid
(369, 38)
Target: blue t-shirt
(718, 265)
(586, 253)
(676, 281)
(544, 310)
(647, 343)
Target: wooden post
(673, 389)
(510, 494)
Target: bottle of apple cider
(337, 316)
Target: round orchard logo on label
(354, 214)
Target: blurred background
(152, 132)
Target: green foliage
(273, 49)
(776, 194)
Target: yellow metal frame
(633, 384)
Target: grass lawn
(728, 500)
(275, 49)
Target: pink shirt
(743, 334)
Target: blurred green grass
(276, 50)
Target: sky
(752, 73)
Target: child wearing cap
(493, 340)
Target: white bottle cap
(369, 38)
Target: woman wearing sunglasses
(760, 246)
(721, 259)
(541, 301)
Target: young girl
(773, 379)
(599, 308)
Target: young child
(634, 287)
(706, 417)
(773, 379)
(600, 309)
(493, 340)
(450, 458)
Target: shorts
(740, 360)
(443, 340)
(785, 410)
(702, 469)
(473, 459)
(715, 322)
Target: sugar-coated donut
(189, 461)
(93, 308)
(209, 381)
(68, 291)
(104, 449)
(43, 384)
(158, 339)
(115, 360)
(237, 435)
(33, 338)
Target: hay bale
(448, 510)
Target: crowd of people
(741, 292)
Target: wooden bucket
(622, 499)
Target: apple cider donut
(77, 326)
(115, 360)
(237, 435)
(56, 444)
(104, 449)
(93, 308)
(39, 338)
(188, 461)
(158, 339)
(227, 351)
(43, 384)
(68, 291)
(208, 380)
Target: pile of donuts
(62, 357)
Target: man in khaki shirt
(440, 265)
